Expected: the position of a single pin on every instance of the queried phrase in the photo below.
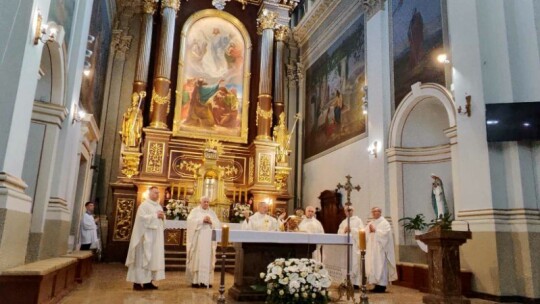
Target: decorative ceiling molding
(313, 19)
(371, 7)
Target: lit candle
(362, 239)
(224, 236)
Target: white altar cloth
(244, 236)
(175, 224)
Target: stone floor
(108, 285)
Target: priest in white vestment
(200, 249)
(146, 255)
(311, 225)
(380, 258)
(356, 224)
(261, 221)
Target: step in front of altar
(175, 259)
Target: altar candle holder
(224, 243)
(363, 290)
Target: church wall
(13, 232)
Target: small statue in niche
(438, 199)
(132, 122)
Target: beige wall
(14, 227)
(55, 239)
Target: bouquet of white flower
(177, 209)
(237, 214)
(296, 281)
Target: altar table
(255, 250)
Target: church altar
(255, 250)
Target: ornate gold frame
(247, 75)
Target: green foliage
(416, 223)
(444, 222)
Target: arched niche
(422, 141)
(51, 84)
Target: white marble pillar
(19, 65)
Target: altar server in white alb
(380, 258)
(356, 224)
(89, 239)
(146, 255)
(311, 225)
(261, 220)
(201, 250)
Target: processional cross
(348, 187)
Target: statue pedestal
(444, 265)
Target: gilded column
(282, 32)
(161, 94)
(266, 24)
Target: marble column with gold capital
(282, 33)
(161, 94)
(265, 26)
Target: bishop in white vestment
(311, 225)
(380, 258)
(356, 224)
(261, 221)
(146, 255)
(200, 249)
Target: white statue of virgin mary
(438, 200)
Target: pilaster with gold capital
(265, 25)
(282, 33)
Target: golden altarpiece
(219, 128)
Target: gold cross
(348, 187)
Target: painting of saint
(213, 89)
(417, 39)
(334, 93)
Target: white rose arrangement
(177, 209)
(296, 281)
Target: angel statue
(132, 122)
(283, 138)
(438, 200)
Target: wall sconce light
(78, 114)
(88, 54)
(87, 68)
(365, 100)
(443, 58)
(44, 32)
(91, 39)
(467, 110)
(373, 148)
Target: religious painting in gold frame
(213, 78)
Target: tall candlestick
(224, 236)
(362, 239)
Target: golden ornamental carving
(229, 170)
(267, 20)
(265, 168)
(160, 100)
(149, 6)
(122, 221)
(281, 176)
(251, 172)
(190, 167)
(132, 122)
(155, 157)
(213, 146)
(173, 237)
(174, 4)
(130, 163)
(282, 32)
(263, 113)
